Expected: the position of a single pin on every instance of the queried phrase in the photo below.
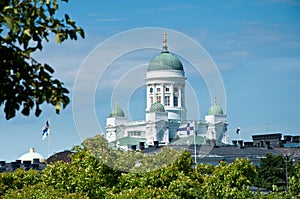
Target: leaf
(58, 107)
(48, 68)
(67, 17)
(81, 32)
(55, 5)
(27, 32)
(42, 2)
(38, 111)
(9, 22)
(24, 26)
(58, 40)
(29, 51)
(7, 8)
(26, 110)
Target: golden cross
(165, 39)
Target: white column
(154, 93)
(179, 97)
(148, 95)
(172, 95)
(163, 95)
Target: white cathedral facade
(165, 114)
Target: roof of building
(31, 155)
(211, 153)
(125, 141)
(189, 140)
(157, 107)
(268, 135)
(117, 112)
(243, 152)
(165, 60)
(26, 165)
(215, 109)
(64, 156)
(293, 153)
(291, 145)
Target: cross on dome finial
(117, 105)
(165, 41)
(215, 100)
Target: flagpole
(49, 140)
(238, 131)
(195, 148)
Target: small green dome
(165, 61)
(117, 112)
(215, 109)
(157, 107)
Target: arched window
(167, 100)
(175, 100)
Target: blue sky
(254, 44)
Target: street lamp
(286, 173)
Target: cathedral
(165, 114)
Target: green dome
(117, 112)
(165, 61)
(215, 109)
(157, 107)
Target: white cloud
(111, 19)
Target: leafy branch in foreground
(25, 83)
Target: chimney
(234, 142)
(2, 163)
(208, 142)
(142, 146)
(287, 138)
(36, 161)
(133, 147)
(214, 142)
(241, 143)
(248, 144)
(35, 166)
(261, 143)
(15, 165)
(26, 163)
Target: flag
(186, 129)
(45, 130)
(238, 130)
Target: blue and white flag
(186, 130)
(46, 130)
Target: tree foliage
(17, 180)
(294, 182)
(41, 191)
(87, 176)
(128, 161)
(272, 172)
(25, 83)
